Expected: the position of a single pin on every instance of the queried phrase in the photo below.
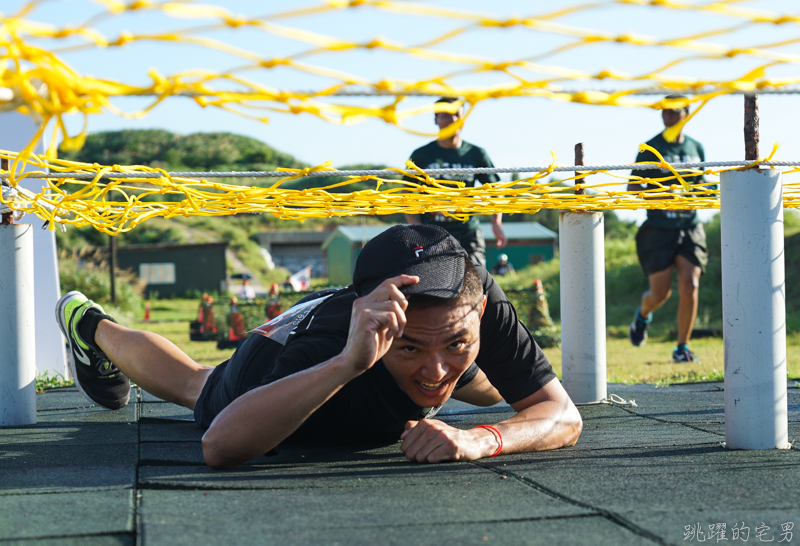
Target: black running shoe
(682, 354)
(94, 375)
(638, 331)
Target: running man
(670, 240)
(454, 152)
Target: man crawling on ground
(373, 361)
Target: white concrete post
(754, 309)
(17, 334)
(583, 305)
(16, 131)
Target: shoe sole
(62, 303)
(693, 361)
(630, 338)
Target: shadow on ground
(653, 473)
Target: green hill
(166, 150)
(203, 152)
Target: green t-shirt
(688, 151)
(433, 156)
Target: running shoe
(638, 331)
(95, 376)
(682, 353)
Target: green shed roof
(519, 230)
(513, 231)
(356, 233)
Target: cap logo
(418, 251)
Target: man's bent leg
(153, 362)
(659, 292)
(654, 298)
(688, 290)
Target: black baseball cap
(426, 251)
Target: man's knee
(688, 284)
(660, 294)
(688, 277)
(661, 285)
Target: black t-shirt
(466, 156)
(372, 406)
(688, 151)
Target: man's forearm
(259, 420)
(545, 420)
(546, 425)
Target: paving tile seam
(157, 462)
(649, 446)
(45, 410)
(502, 520)
(164, 421)
(670, 422)
(56, 537)
(714, 389)
(93, 489)
(613, 517)
(161, 486)
(461, 523)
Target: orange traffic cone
(147, 311)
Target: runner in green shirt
(670, 240)
(454, 152)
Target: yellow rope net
(48, 87)
(44, 85)
(117, 205)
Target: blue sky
(515, 131)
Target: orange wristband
(499, 438)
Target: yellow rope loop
(118, 205)
(46, 86)
(68, 92)
(300, 173)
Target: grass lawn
(651, 363)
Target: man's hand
(497, 228)
(431, 441)
(376, 319)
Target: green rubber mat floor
(653, 473)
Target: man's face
(445, 119)
(671, 117)
(437, 347)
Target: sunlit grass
(651, 363)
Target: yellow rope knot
(272, 63)
(513, 21)
(377, 42)
(123, 38)
(139, 4)
(299, 173)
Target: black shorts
(657, 247)
(234, 377)
(475, 246)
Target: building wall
(340, 260)
(342, 254)
(295, 250)
(520, 253)
(196, 267)
(296, 257)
